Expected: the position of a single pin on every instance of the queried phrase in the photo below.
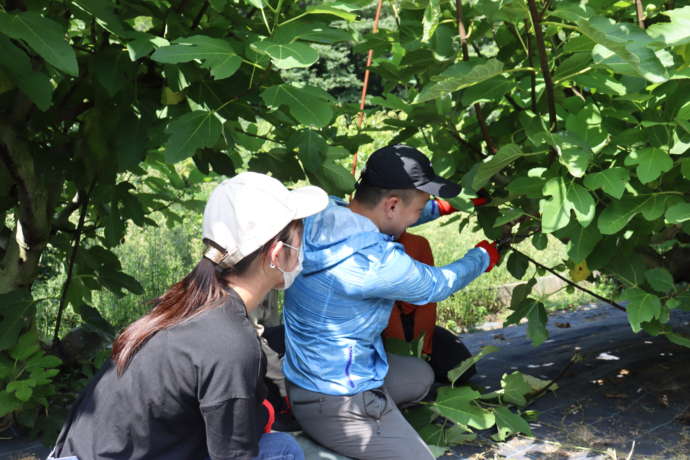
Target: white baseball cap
(247, 210)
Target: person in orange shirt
(408, 322)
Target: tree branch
(514, 103)
(199, 15)
(465, 57)
(84, 202)
(532, 75)
(541, 47)
(571, 283)
(639, 10)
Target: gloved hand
(492, 250)
(444, 208)
(483, 197)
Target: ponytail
(197, 292)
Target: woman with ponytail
(186, 380)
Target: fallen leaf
(562, 325)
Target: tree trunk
(37, 197)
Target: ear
(273, 253)
(390, 204)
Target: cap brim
(440, 187)
(307, 201)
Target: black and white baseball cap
(404, 167)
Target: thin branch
(465, 57)
(639, 10)
(541, 47)
(571, 283)
(199, 15)
(532, 77)
(456, 134)
(514, 103)
(70, 268)
(547, 5)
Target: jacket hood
(335, 234)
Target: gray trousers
(368, 425)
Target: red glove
(271, 415)
(482, 198)
(444, 207)
(494, 255)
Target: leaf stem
(263, 16)
(276, 16)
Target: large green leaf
(581, 240)
(652, 163)
(678, 213)
(287, 55)
(311, 148)
(105, 15)
(459, 76)
(573, 153)
(309, 105)
(660, 279)
(455, 373)
(309, 31)
(190, 132)
(15, 308)
(582, 203)
(611, 181)
(642, 306)
(508, 423)
(536, 326)
(336, 179)
(555, 212)
(36, 85)
(627, 43)
(217, 54)
(617, 214)
(45, 36)
(457, 405)
(515, 388)
(487, 91)
(505, 156)
(676, 32)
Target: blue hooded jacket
(338, 307)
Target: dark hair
(370, 196)
(199, 291)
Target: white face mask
(289, 277)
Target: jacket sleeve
(397, 276)
(231, 429)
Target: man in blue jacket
(344, 389)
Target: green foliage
(109, 113)
(471, 410)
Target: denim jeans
(279, 446)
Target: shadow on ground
(628, 388)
